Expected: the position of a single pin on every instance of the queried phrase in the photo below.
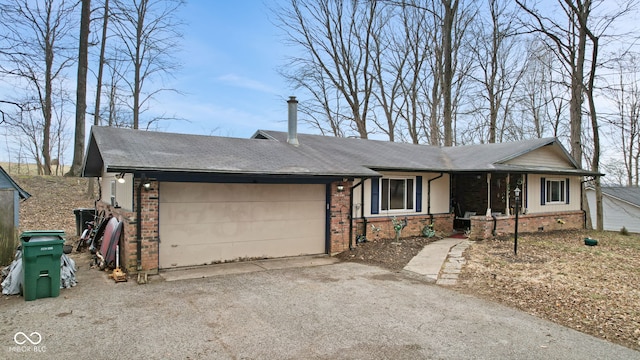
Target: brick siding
(128, 242)
(382, 227)
(482, 226)
(339, 208)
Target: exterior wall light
(340, 187)
(146, 184)
(120, 178)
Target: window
(555, 191)
(396, 194)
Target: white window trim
(413, 194)
(563, 190)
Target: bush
(624, 231)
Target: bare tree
(625, 94)
(387, 72)
(499, 67)
(450, 10)
(543, 94)
(569, 43)
(577, 46)
(37, 53)
(148, 33)
(324, 111)
(81, 89)
(336, 38)
(413, 49)
(101, 61)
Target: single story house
(620, 207)
(188, 200)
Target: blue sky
(229, 77)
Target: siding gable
(547, 156)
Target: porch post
(488, 214)
(506, 190)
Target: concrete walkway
(441, 261)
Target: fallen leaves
(595, 290)
(52, 201)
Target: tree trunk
(447, 75)
(47, 109)
(595, 164)
(81, 90)
(137, 81)
(103, 45)
(577, 86)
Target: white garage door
(207, 223)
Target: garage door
(208, 223)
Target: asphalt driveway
(339, 311)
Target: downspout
(139, 227)
(364, 219)
(351, 247)
(429, 195)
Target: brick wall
(339, 205)
(482, 226)
(442, 224)
(128, 242)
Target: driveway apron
(338, 311)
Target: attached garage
(204, 223)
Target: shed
(620, 207)
(10, 195)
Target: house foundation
(382, 227)
(483, 227)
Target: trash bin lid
(42, 235)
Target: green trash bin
(41, 252)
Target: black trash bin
(82, 216)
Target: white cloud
(242, 82)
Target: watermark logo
(24, 338)
(27, 343)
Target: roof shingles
(124, 150)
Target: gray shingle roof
(268, 153)
(384, 155)
(126, 150)
(630, 194)
(373, 154)
(7, 182)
